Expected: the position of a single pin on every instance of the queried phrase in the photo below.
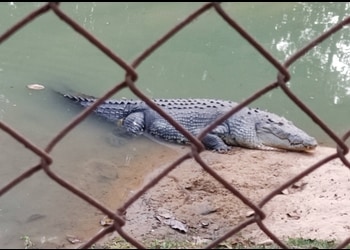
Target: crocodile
(249, 128)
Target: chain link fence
(131, 76)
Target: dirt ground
(190, 205)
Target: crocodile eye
(280, 123)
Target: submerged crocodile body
(249, 128)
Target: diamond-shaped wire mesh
(131, 76)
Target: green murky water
(207, 59)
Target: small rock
(299, 185)
(175, 224)
(265, 242)
(285, 191)
(215, 227)
(200, 241)
(166, 215)
(250, 213)
(73, 239)
(204, 223)
(293, 215)
(105, 221)
(35, 86)
(208, 210)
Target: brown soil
(317, 207)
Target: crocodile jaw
(284, 135)
(273, 143)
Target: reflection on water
(200, 62)
(47, 213)
(331, 57)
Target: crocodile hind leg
(163, 130)
(134, 124)
(127, 129)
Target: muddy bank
(205, 210)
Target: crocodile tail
(111, 110)
(82, 100)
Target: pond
(207, 59)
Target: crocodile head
(277, 132)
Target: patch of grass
(116, 243)
(311, 244)
(120, 243)
(168, 244)
(28, 244)
(245, 244)
(295, 243)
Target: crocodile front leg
(214, 142)
(134, 123)
(161, 129)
